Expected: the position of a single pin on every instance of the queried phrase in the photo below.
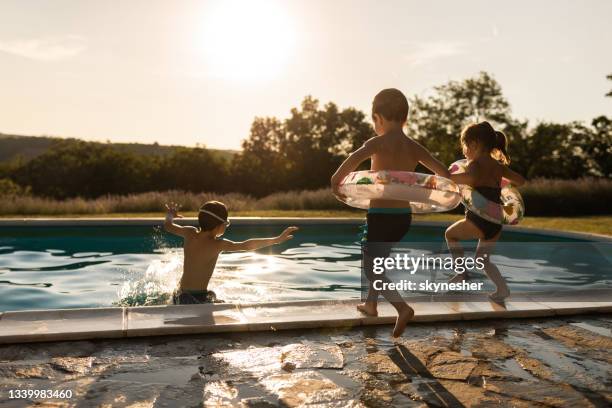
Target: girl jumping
(488, 159)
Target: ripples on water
(89, 267)
(297, 273)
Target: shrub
(550, 197)
(10, 188)
(543, 197)
(321, 199)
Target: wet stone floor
(515, 363)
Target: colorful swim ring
(425, 192)
(511, 209)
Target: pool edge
(123, 322)
(148, 221)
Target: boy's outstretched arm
(256, 243)
(351, 163)
(433, 164)
(171, 227)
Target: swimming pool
(47, 267)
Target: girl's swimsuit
(489, 229)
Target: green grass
(596, 224)
(600, 224)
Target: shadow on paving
(432, 392)
(531, 362)
(127, 387)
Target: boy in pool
(387, 220)
(203, 245)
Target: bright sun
(247, 39)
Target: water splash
(155, 285)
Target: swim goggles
(212, 214)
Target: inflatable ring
(511, 209)
(425, 192)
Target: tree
(75, 168)
(300, 152)
(556, 151)
(259, 168)
(437, 121)
(192, 169)
(318, 140)
(568, 151)
(8, 188)
(598, 147)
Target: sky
(197, 72)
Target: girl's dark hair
(391, 104)
(208, 222)
(493, 141)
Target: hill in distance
(28, 147)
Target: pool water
(70, 267)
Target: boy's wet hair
(493, 141)
(208, 222)
(391, 104)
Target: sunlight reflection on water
(102, 266)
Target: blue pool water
(69, 267)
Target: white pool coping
(123, 322)
(156, 221)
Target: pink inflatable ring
(511, 209)
(424, 193)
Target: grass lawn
(600, 224)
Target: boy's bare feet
(403, 318)
(458, 278)
(368, 309)
(498, 297)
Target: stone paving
(516, 363)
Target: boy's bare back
(395, 151)
(201, 253)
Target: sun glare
(247, 40)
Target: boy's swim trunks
(387, 224)
(191, 297)
(383, 225)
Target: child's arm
(426, 159)
(351, 163)
(173, 228)
(256, 243)
(468, 177)
(515, 178)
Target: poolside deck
(121, 322)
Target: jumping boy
(203, 245)
(387, 220)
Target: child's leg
(381, 229)
(461, 230)
(404, 312)
(392, 296)
(484, 250)
(385, 228)
(369, 307)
